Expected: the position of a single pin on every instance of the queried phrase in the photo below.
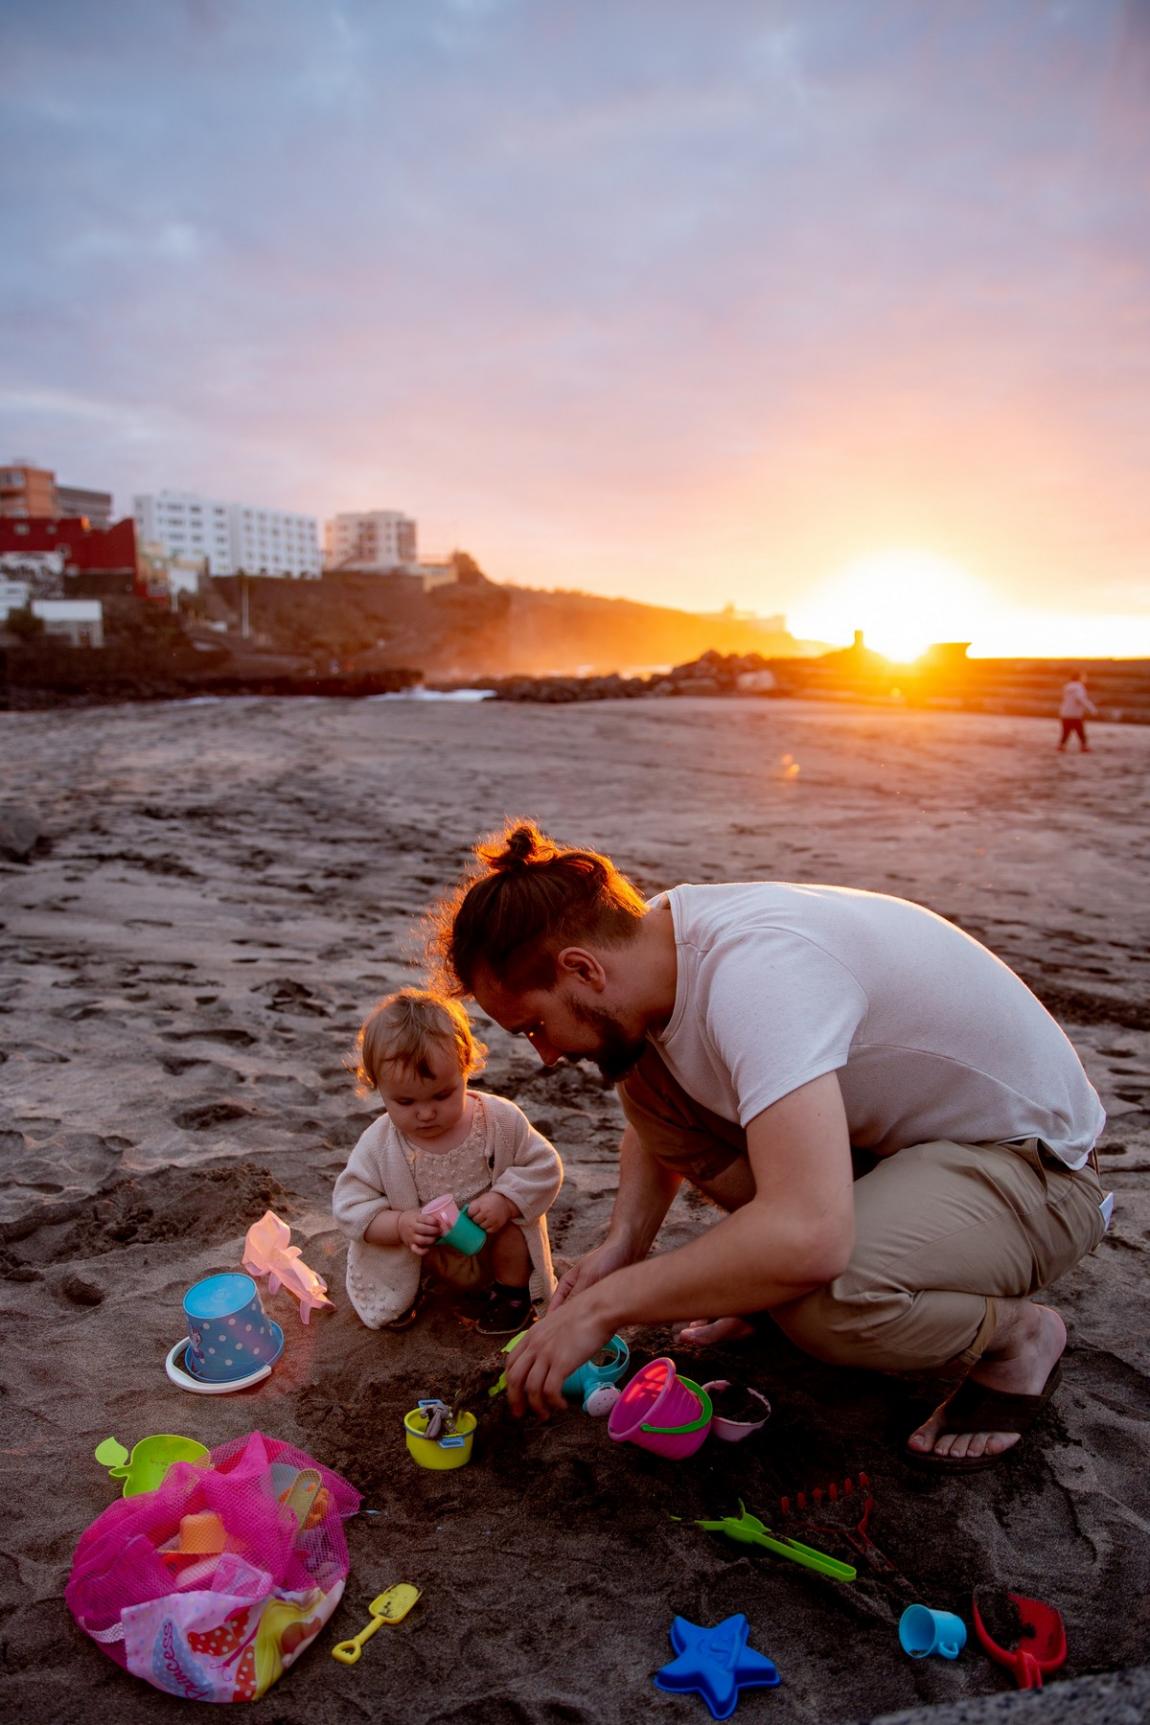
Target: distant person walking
(1076, 704)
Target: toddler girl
(436, 1137)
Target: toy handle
(347, 1652)
(809, 1558)
(1027, 1670)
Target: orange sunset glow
(902, 600)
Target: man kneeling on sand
(760, 1034)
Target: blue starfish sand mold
(715, 1663)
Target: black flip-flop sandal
(978, 1408)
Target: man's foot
(705, 1332)
(1027, 1347)
(506, 1311)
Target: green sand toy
(747, 1529)
(149, 1461)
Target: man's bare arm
(646, 1192)
(794, 1235)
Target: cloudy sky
(695, 302)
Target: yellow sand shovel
(391, 1606)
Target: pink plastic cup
(444, 1211)
(734, 1431)
(662, 1412)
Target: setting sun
(901, 600)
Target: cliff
(479, 628)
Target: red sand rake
(844, 1507)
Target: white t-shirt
(930, 1034)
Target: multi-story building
(27, 491)
(370, 539)
(33, 493)
(232, 536)
(69, 555)
(73, 501)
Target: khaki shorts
(942, 1230)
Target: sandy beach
(224, 888)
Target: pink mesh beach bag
(212, 1586)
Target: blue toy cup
(228, 1335)
(606, 1368)
(464, 1235)
(922, 1631)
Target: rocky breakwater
(711, 674)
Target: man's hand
(492, 1211)
(558, 1345)
(611, 1255)
(794, 1234)
(418, 1231)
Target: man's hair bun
(528, 897)
(518, 848)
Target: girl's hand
(418, 1231)
(492, 1211)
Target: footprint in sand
(230, 1035)
(204, 1115)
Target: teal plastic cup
(464, 1235)
(923, 1631)
(606, 1368)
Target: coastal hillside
(474, 627)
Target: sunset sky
(832, 309)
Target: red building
(105, 552)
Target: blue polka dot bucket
(228, 1335)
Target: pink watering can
(268, 1251)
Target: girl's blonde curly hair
(402, 1030)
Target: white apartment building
(370, 539)
(232, 536)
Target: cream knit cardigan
(382, 1281)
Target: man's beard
(618, 1052)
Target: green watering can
(149, 1461)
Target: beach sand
(224, 889)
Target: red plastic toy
(1041, 1639)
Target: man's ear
(576, 964)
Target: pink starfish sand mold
(268, 1252)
